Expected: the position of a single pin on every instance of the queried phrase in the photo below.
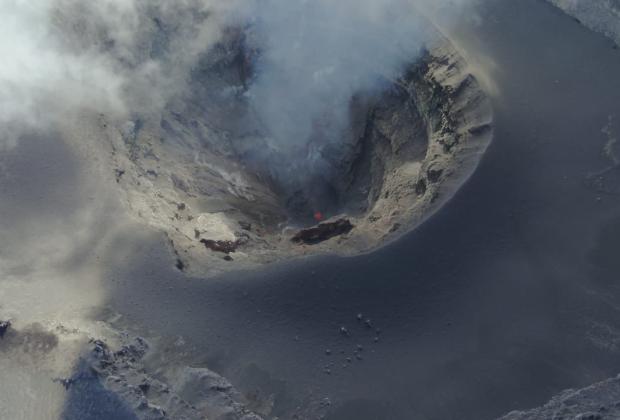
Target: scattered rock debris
(323, 231)
(367, 332)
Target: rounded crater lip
(407, 149)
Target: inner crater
(209, 173)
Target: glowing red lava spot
(318, 216)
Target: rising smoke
(316, 56)
(63, 57)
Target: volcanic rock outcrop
(192, 393)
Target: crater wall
(200, 170)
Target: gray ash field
(443, 247)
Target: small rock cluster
(359, 350)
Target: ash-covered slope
(600, 401)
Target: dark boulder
(322, 232)
(220, 246)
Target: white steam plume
(61, 57)
(36, 80)
(130, 56)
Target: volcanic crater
(202, 171)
